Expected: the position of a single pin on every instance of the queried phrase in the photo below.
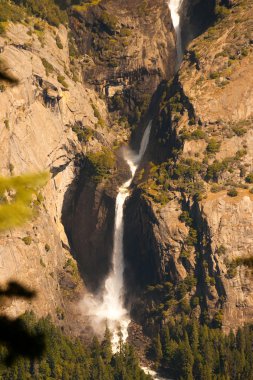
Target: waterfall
(110, 308)
(175, 6)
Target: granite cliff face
(54, 117)
(45, 112)
(194, 206)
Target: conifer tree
(106, 346)
(158, 353)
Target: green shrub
(125, 32)
(40, 198)
(221, 11)
(185, 306)
(58, 42)
(215, 170)
(239, 131)
(240, 153)
(198, 134)
(27, 240)
(73, 51)
(194, 302)
(185, 218)
(231, 271)
(98, 115)
(190, 282)
(214, 75)
(60, 313)
(84, 134)
(61, 80)
(48, 67)
(217, 320)
(100, 164)
(11, 168)
(187, 169)
(42, 263)
(249, 178)
(232, 192)
(117, 102)
(245, 261)
(47, 247)
(213, 146)
(221, 250)
(216, 188)
(2, 29)
(109, 21)
(7, 124)
(184, 254)
(192, 237)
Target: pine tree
(185, 359)
(158, 353)
(169, 347)
(95, 347)
(194, 337)
(106, 346)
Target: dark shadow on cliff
(88, 217)
(196, 17)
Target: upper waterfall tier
(175, 7)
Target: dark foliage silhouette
(14, 333)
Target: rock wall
(128, 48)
(53, 113)
(42, 99)
(194, 204)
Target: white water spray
(153, 374)
(175, 6)
(111, 310)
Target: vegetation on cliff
(100, 165)
(52, 11)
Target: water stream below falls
(109, 308)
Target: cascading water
(175, 7)
(111, 309)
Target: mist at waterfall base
(107, 308)
(175, 7)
